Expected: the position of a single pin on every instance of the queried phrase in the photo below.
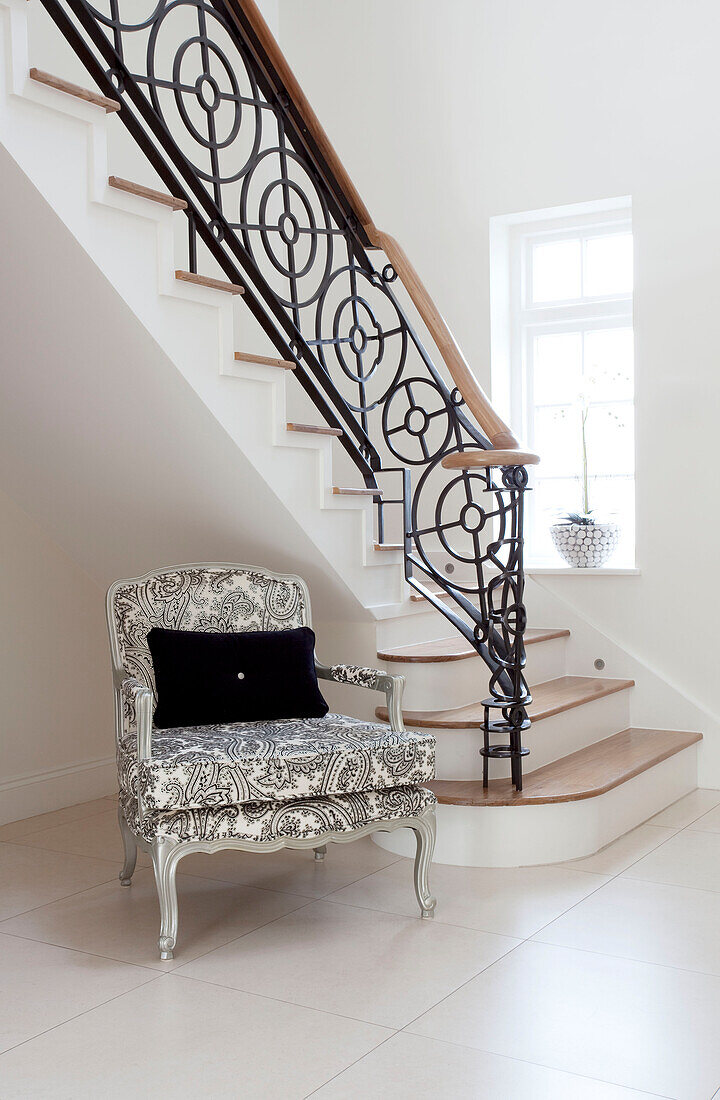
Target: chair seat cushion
(279, 761)
(268, 822)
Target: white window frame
(515, 320)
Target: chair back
(214, 597)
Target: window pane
(558, 440)
(613, 498)
(550, 498)
(556, 271)
(557, 367)
(608, 365)
(608, 265)
(609, 436)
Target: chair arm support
(141, 700)
(373, 678)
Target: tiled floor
(597, 979)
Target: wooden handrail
(468, 460)
(475, 397)
(312, 123)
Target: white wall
(448, 114)
(56, 739)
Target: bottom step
(558, 818)
(584, 774)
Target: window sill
(573, 571)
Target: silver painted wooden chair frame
(132, 696)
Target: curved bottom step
(533, 828)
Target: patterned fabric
(279, 761)
(212, 599)
(355, 674)
(267, 821)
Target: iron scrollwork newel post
(505, 710)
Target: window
(562, 340)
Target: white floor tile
(687, 809)
(669, 925)
(30, 877)
(357, 962)
(689, 858)
(514, 901)
(15, 829)
(183, 1039)
(293, 872)
(408, 1067)
(625, 851)
(708, 823)
(646, 1027)
(97, 836)
(124, 922)
(44, 986)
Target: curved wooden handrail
(469, 460)
(475, 397)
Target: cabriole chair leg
(425, 836)
(164, 867)
(130, 849)
(320, 852)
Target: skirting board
(517, 836)
(28, 795)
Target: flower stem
(586, 500)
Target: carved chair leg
(320, 852)
(164, 868)
(424, 831)
(130, 849)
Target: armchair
(252, 786)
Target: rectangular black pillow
(205, 679)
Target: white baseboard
(55, 788)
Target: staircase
(590, 774)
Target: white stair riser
(417, 622)
(516, 836)
(457, 753)
(443, 684)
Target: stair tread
(314, 429)
(266, 360)
(388, 545)
(416, 597)
(144, 192)
(455, 648)
(74, 89)
(583, 774)
(348, 492)
(208, 280)
(549, 698)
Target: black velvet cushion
(203, 679)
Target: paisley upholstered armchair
(255, 786)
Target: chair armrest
(373, 678)
(141, 700)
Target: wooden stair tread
(266, 360)
(314, 429)
(147, 193)
(416, 597)
(584, 774)
(341, 492)
(207, 280)
(456, 648)
(388, 546)
(549, 698)
(74, 89)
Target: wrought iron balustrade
(209, 107)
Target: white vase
(585, 545)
